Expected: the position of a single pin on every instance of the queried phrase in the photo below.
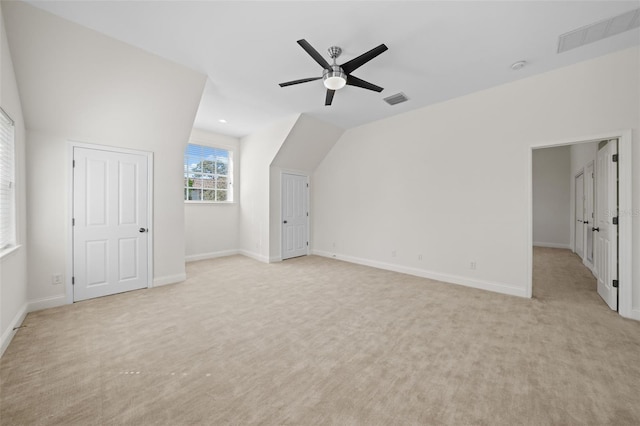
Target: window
(7, 182)
(207, 174)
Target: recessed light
(517, 66)
(222, 120)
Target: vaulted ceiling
(437, 50)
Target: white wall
(257, 151)
(552, 197)
(581, 155)
(76, 84)
(13, 267)
(212, 230)
(451, 182)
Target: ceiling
(437, 50)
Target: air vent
(599, 30)
(398, 98)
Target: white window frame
(229, 175)
(8, 238)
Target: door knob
(586, 222)
(596, 229)
(142, 230)
(284, 221)
(580, 221)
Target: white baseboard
(452, 279)
(275, 259)
(552, 245)
(8, 334)
(212, 255)
(169, 279)
(635, 314)
(46, 303)
(255, 256)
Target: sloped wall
(304, 148)
(79, 85)
(296, 144)
(257, 151)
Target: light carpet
(315, 341)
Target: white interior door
(294, 216)
(605, 231)
(588, 214)
(579, 219)
(110, 230)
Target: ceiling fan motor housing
(334, 52)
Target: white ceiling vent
(599, 30)
(398, 98)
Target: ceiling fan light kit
(335, 77)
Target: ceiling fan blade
(363, 59)
(329, 97)
(355, 81)
(314, 54)
(302, 80)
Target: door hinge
(73, 280)
(614, 158)
(307, 214)
(615, 283)
(307, 243)
(73, 163)
(73, 222)
(615, 220)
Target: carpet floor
(316, 341)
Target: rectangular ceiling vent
(398, 98)
(599, 30)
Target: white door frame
(305, 175)
(625, 214)
(590, 190)
(575, 213)
(70, 146)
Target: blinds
(198, 153)
(7, 182)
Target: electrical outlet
(472, 265)
(419, 257)
(56, 279)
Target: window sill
(9, 251)
(209, 203)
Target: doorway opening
(599, 223)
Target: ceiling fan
(335, 76)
